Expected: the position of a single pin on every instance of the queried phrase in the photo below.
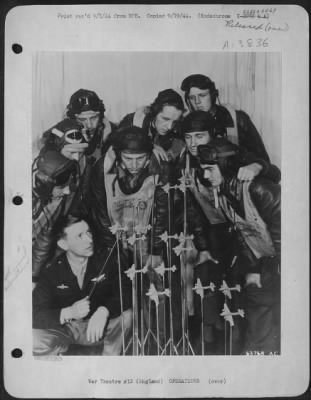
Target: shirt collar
(78, 270)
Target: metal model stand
(132, 273)
(118, 230)
(199, 289)
(228, 317)
(226, 290)
(180, 250)
(186, 183)
(154, 296)
(161, 269)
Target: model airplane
(161, 269)
(185, 182)
(199, 288)
(167, 187)
(180, 248)
(228, 315)
(118, 228)
(227, 290)
(140, 229)
(132, 239)
(165, 236)
(182, 238)
(132, 271)
(154, 294)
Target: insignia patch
(62, 286)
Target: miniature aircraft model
(134, 238)
(140, 229)
(130, 273)
(199, 288)
(180, 248)
(228, 315)
(227, 290)
(161, 269)
(117, 228)
(165, 236)
(186, 181)
(167, 187)
(154, 296)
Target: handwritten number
(259, 42)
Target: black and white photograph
(156, 203)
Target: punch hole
(17, 48)
(17, 200)
(17, 353)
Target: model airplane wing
(164, 237)
(160, 269)
(153, 294)
(130, 273)
(226, 313)
(225, 289)
(198, 288)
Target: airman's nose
(88, 124)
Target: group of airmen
(159, 235)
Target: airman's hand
(204, 256)
(74, 151)
(253, 279)
(79, 309)
(96, 325)
(249, 172)
(160, 153)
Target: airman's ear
(62, 243)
